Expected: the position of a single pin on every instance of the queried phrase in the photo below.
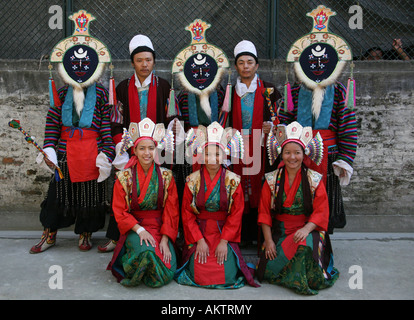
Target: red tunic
(319, 216)
(292, 223)
(149, 219)
(211, 273)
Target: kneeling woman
(145, 206)
(294, 214)
(212, 210)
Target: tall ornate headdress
(146, 129)
(201, 65)
(81, 61)
(294, 132)
(318, 58)
(229, 140)
(81, 57)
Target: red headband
(293, 140)
(144, 138)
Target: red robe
(216, 226)
(292, 223)
(149, 219)
(232, 227)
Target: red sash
(151, 220)
(81, 151)
(292, 223)
(144, 182)
(256, 180)
(133, 101)
(291, 191)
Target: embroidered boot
(47, 240)
(85, 243)
(107, 247)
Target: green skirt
(141, 264)
(302, 273)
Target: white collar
(146, 83)
(241, 88)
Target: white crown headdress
(146, 128)
(295, 132)
(230, 140)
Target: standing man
(321, 102)
(143, 95)
(77, 139)
(253, 106)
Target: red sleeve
(120, 208)
(117, 138)
(264, 215)
(171, 213)
(232, 227)
(320, 214)
(192, 231)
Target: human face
(145, 152)
(212, 157)
(246, 67)
(143, 63)
(375, 55)
(292, 156)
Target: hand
(49, 163)
(221, 251)
(397, 44)
(148, 238)
(266, 127)
(270, 249)
(202, 251)
(300, 235)
(342, 171)
(165, 249)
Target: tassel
(53, 94)
(52, 104)
(227, 97)
(58, 174)
(288, 100)
(350, 94)
(171, 107)
(112, 91)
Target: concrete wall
(379, 198)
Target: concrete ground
(372, 266)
